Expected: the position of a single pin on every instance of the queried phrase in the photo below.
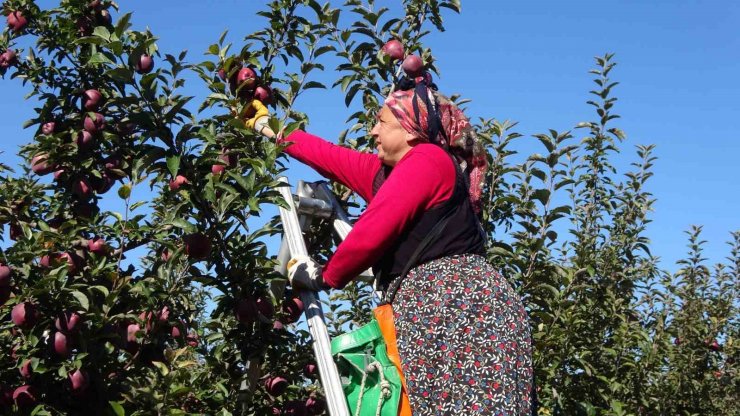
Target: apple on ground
(24, 315)
(413, 66)
(394, 49)
(197, 246)
(144, 64)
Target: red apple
(394, 49)
(295, 408)
(58, 174)
(218, 169)
(310, 370)
(179, 181)
(24, 315)
(92, 99)
(413, 66)
(192, 339)
(86, 209)
(104, 18)
(79, 380)
(25, 396)
(62, 345)
(103, 183)
(246, 310)
(265, 307)
(177, 330)
(112, 162)
(68, 322)
(26, 370)
(48, 128)
(165, 255)
(5, 273)
(84, 139)
(714, 345)
(276, 385)
(293, 308)
(17, 21)
(94, 125)
(315, 405)
(16, 232)
(246, 78)
(278, 326)
(72, 260)
(8, 59)
(144, 64)
(40, 165)
(98, 246)
(131, 331)
(222, 74)
(264, 94)
(197, 246)
(82, 189)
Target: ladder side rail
(330, 380)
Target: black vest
(462, 234)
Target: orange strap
(384, 316)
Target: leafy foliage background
(613, 333)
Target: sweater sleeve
(352, 168)
(422, 179)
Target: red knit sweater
(423, 178)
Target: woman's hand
(304, 273)
(257, 116)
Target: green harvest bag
(370, 381)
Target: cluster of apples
(246, 84)
(412, 65)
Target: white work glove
(304, 273)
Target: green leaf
(117, 408)
(81, 299)
(99, 58)
(173, 164)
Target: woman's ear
(412, 139)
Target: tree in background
(103, 312)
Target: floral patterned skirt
(464, 340)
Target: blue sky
(678, 66)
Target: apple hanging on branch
(394, 49)
(17, 21)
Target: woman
(462, 331)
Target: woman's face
(391, 139)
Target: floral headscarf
(433, 118)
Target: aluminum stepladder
(315, 200)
